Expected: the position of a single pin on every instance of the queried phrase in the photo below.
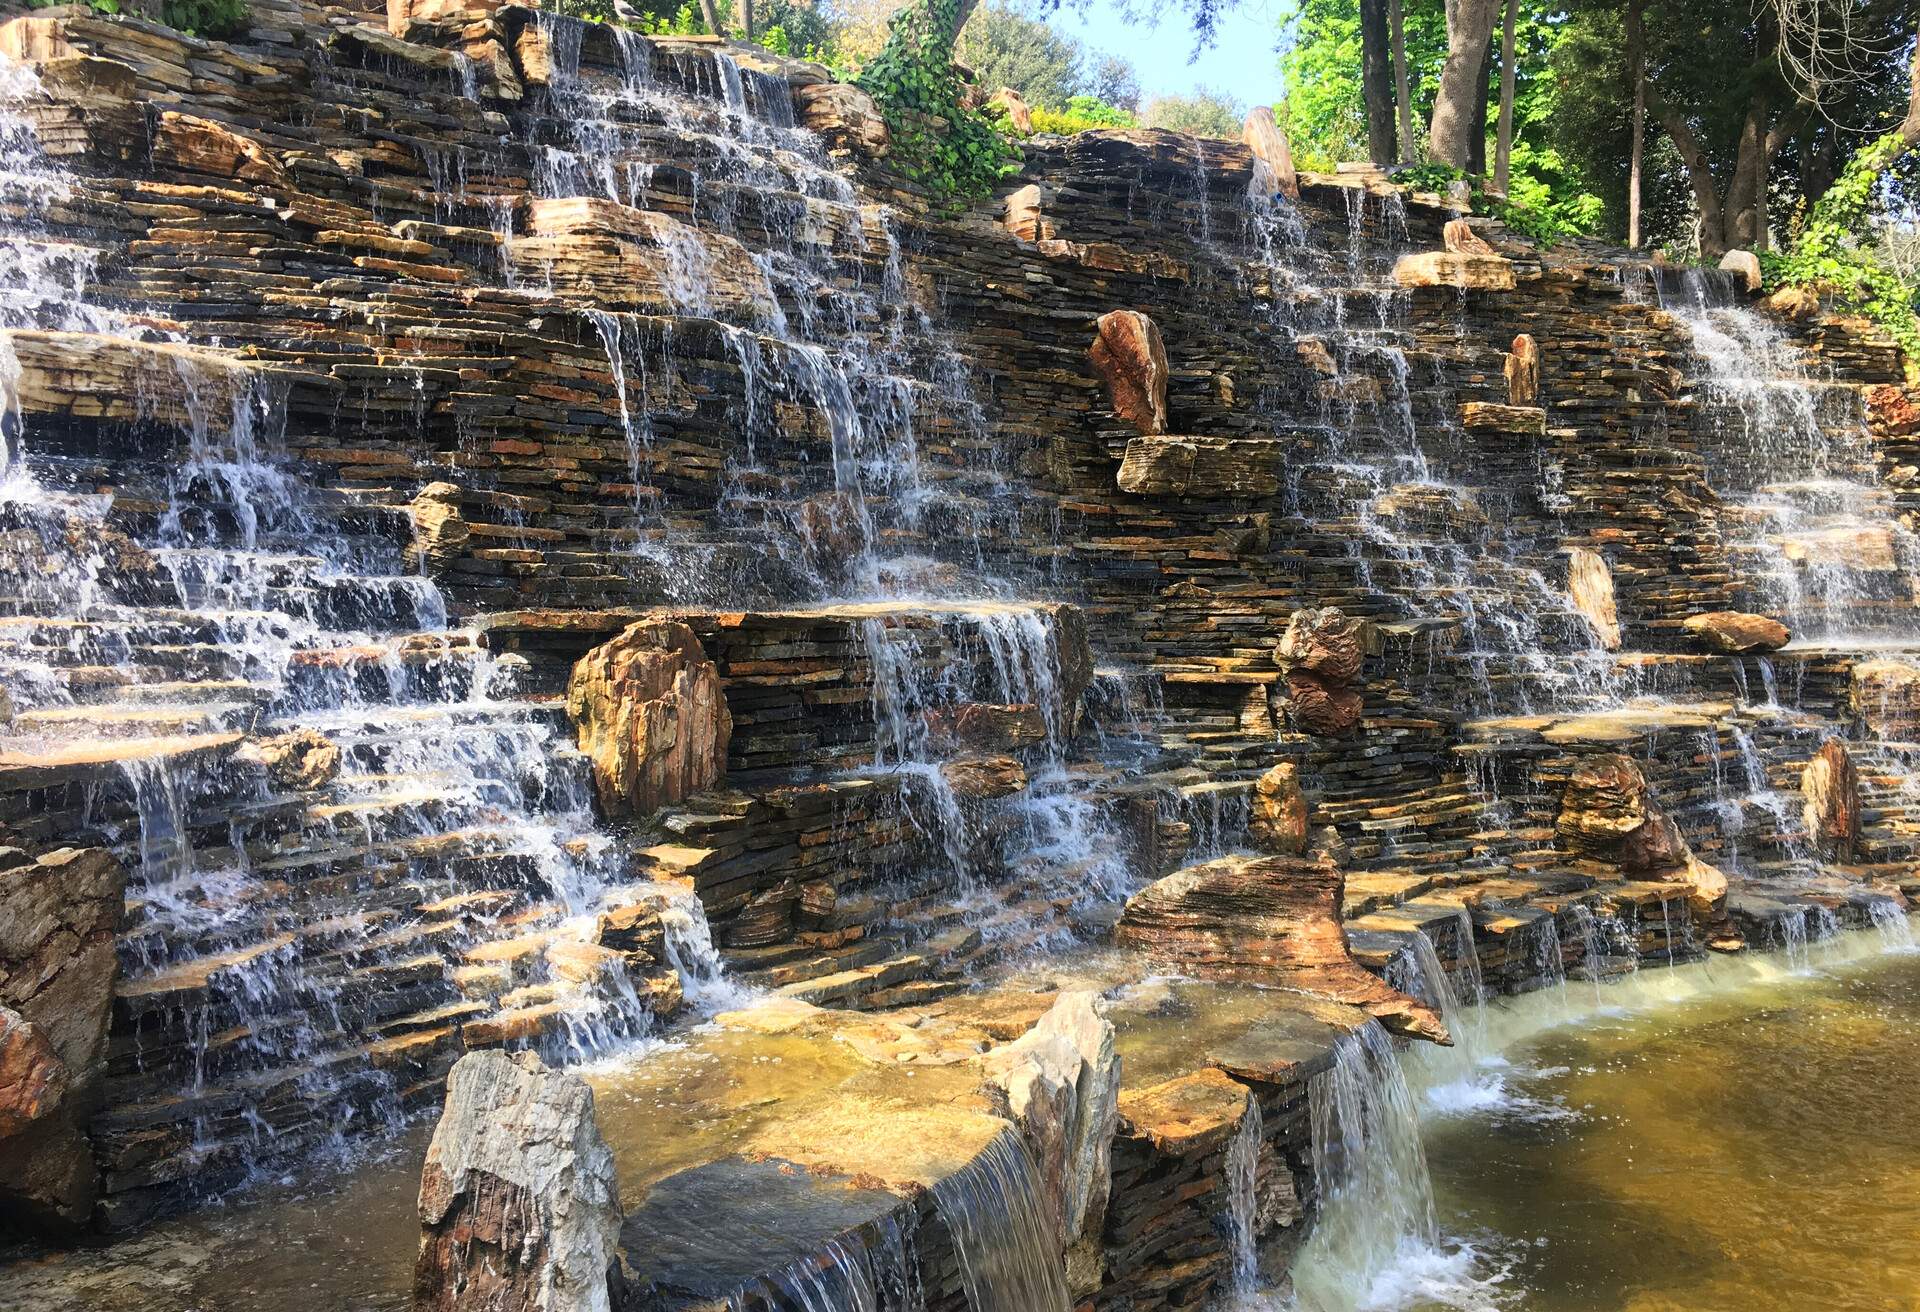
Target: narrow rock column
(1523, 371)
(651, 715)
(1131, 359)
(1830, 786)
(1279, 822)
(519, 1203)
(1320, 655)
(1590, 584)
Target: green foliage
(1429, 177)
(1831, 254)
(1205, 113)
(1006, 48)
(98, 6)
(1081, 114)
(953, 151)
(213, 19)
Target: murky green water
(1740, 1138)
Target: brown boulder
(519, 1201)
(1607, 814)
(1320, 656)
(1478, 273)
(651, 715)
(1590, 584)
(1130, 358)
(1271, 920)
(440, 533)
(1025, 215)
(1830, 786)
(1737, 632)
(845, 116)
(1745, 267)
(1014, 106)
(299, 761)
(1893, 411)
(1269, 145)
(1523, 372)
(1794, 304)
(1279, 822)
(33, 1081)
(1459, 237)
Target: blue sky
(1242, 62)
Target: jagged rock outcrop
(1608, 814)
(519, 1202)
(650, 714)
(1266, 920)
(1279, 820)
(1024, 214)
(1830, 789)
(59, 915)
(1459, 237)
(1200, 467)
(981, 778)
(1320, 656)
(1473, 273)
(1014, 106)
(846, 116)
(1590, 584)
(440, 533)
(1269, 145)
(1523, 371)
(1059, 1083)
(1130, 358)
(297, 761)
(1794, 304)
(1737, 632)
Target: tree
(1402, 99)
(1376, 79)
(1006, 48)
(1461, 99)
(1205, 113)
(1114, 82)
(1637, 72)
(1503, 153)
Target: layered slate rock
(1830, 789)
(1737, 632)
(640, 259)
(1590, 584)
(1131, 360)
(1320, 655)
(1886, 696)
(519, 1202)
(1279, 820)
(295, 761)
(1609, 815)
(59, 915)
(845, 116)
(1266, 920)
(1201, 466)
(1477, 273)
(1059, 1083)
(651, 715)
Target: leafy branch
(937, 141)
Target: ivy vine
(1829, 255)
(953, 151)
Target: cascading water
(992, 1208)
(1243, 1180)
(1893, 924)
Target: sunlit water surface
(1746, 1142)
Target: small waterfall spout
(1243, 1179)
(1005, 1246)
(1896, 930)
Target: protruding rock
(1131, 359)
(1458, 236)
(1269, 145)
(1794, 304)
(845, 116)
(1279, 822)
(1523, 371)
(59, 916)
(1201, 466)
(1485, 416)
(1320, 655)
(1737, 632)
(1745, 266)
(1590, 584)
(1025, 216)
(1830, 787)
(1060, 1084)
(440, 533)
(1266, 920)
(987, 727)
(200, 145)
(651, 716)
(1886, 697)
(1474, 273)
(980, 778)
(1608, 814)
(519, 1203)
(297, 761)
(1014, 106)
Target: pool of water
(1734, 1136)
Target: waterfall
(1417, 970)
(1243, 1179)
(992, 1208)
(1893, 924)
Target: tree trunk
(1376, 80)
(710, 15)
(1706, 197)
(1503, 148)
(1637, 70)
(1463, 83)
(1402, 93)
(744, 11)
(1477, 144)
